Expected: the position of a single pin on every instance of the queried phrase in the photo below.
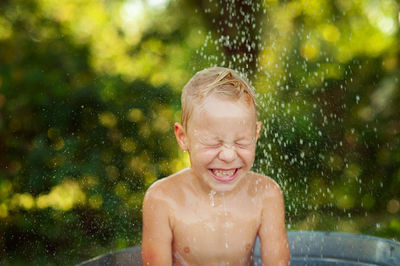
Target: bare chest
(207, 234)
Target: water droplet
(211, 196)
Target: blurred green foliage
(89, 91)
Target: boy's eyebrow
(245, 138)
(213, 139)
(209, 138)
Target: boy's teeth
(224, 172)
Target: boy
(211, 213)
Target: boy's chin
(223, 188)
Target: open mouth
(224, 175)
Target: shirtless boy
(211, 213)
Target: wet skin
(211, 213)
(218, 229)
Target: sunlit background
(90, 89)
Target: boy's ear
(258, 129)
(180, 136)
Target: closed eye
(243, 145)
(214, 145)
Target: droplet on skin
(228, 224)
(211, 196)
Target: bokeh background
(90, 89)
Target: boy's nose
(227, 153)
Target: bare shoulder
(265, 185)
(165, 188)
(271, 198)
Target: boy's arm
(157, 235)
(272, 233)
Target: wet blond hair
(215, 80)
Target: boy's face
(221, 138)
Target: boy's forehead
(213, 101)
(237, 113)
